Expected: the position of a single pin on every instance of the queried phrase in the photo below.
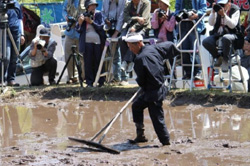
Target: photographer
(42, 61)
(15, 24)
(136, 19)
(163, 21)
(225, 18)
(71, 11)
(245, 58)
(91, 41)
(112, 11)
(195, 8)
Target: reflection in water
(24, 118)
(235, 122)
(206, 121)
(20, 125)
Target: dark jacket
(97, 24)
(14, 17)
(245, 62)
(233, 9)
(150, 67)
(238, 43)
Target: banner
(30, 20)
(243, 4)
(50, 13)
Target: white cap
(133, 37)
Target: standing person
(149, 68)
(71, 11)
(245, 58)
(137, 19)
(200, 7)
(163, 21)
(112, 11)
(226, 23)
(41, 54)
(15, 24)
(92, 39)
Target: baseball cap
(133, 37)
(44, 32)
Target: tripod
(4, 29)
(75, 56)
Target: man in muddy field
(149, 68)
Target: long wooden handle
(118, 114)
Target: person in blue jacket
(196, 8)
(15, 25)
(91, 41)
(149, 68)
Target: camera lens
(39, 46)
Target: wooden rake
(105, 130)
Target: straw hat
(166, 2)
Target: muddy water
(36, 133)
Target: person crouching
(42, 61)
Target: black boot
(140, 134)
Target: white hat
(166, 2)
(133, 37)
(222, 2)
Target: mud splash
(36, 133)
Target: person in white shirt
(225, 17)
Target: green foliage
(172, 3)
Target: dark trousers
(10, 59)
(156, 114)
(227, 41)
(38, 72)
(92, 58)
(188, 44)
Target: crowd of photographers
(88, 29)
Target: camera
(217, 7)
(184, 14)
(161, 13)
(71, 22)
(40, 44)
(5, 5)
(112, 25)
(88, 14)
